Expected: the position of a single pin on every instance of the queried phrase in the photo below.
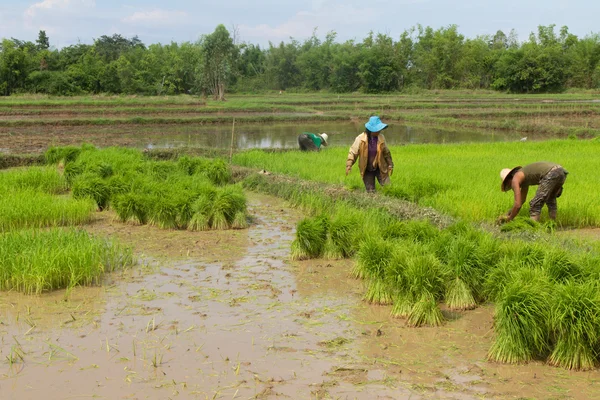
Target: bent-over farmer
(549, 176)
(311, 142)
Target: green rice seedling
(132, 206)
(104, 170)
(521, 322)
(520, 224)
(228, 201)
(373, 258)
(561, 266)
(118, 185)
(576, 326)
(218, 172)
(425, 312)
(33, 261)
(424, 273)
(54, 155)
(34, 209)
(378, 292)
(73, 170)
(45, 179)
(417, 230)
(240, 221)
(192, 165)
(88, 185)
(498, 277)
(163, 211)
(342, 235)
(463, 274)
(311, 236)
(403, 305)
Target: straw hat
(506, 175)
(324, 137)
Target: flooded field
(226, 315)
(280, 136)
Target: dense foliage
(421, 58)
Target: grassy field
(459, 179)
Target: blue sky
(259, 21)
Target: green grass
(33, 261)
(459, 179)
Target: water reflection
(284, 136)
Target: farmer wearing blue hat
(375, 159)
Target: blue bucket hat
(375, 124)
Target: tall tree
(218, 53)
(43, 42)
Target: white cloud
(325, 17)
(51, 6)
(157, 17)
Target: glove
(348, 169)
(391, 170)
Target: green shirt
(317, 140)
(536, 171)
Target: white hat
(324, 137)
(506, 174)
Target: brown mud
(226, 315)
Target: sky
(68, 22)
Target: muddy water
(225, 315)
(246, 136)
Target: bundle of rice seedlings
(201, 212)
(218, 172)
(373, 257)
(227, 202)
(104, 170)
(403, 305)
(240, 221)
(463, 274)
(311, 236)
(163, 211)
(424, 273)
(131, 206)
(425, 312)
(54, 155)
(161, 170)
(378, 292)
(576, 325)
(521, 322)
(520, 224)
(561, 266)
(118, 185)
(416, 230)
(73, 170)
(91, 186)
(342, 231)
(498, 277)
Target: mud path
(225, 315)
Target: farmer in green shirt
(549, 176)
(311, 142)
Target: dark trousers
(306, 143)
(369, 179)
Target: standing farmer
(311, 142)
(375, 159)
(549, 176)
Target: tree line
(421, 58)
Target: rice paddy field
(177, 247)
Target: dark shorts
(549, 189)
(306, 143)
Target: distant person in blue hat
(311, 142)
(375, 159)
